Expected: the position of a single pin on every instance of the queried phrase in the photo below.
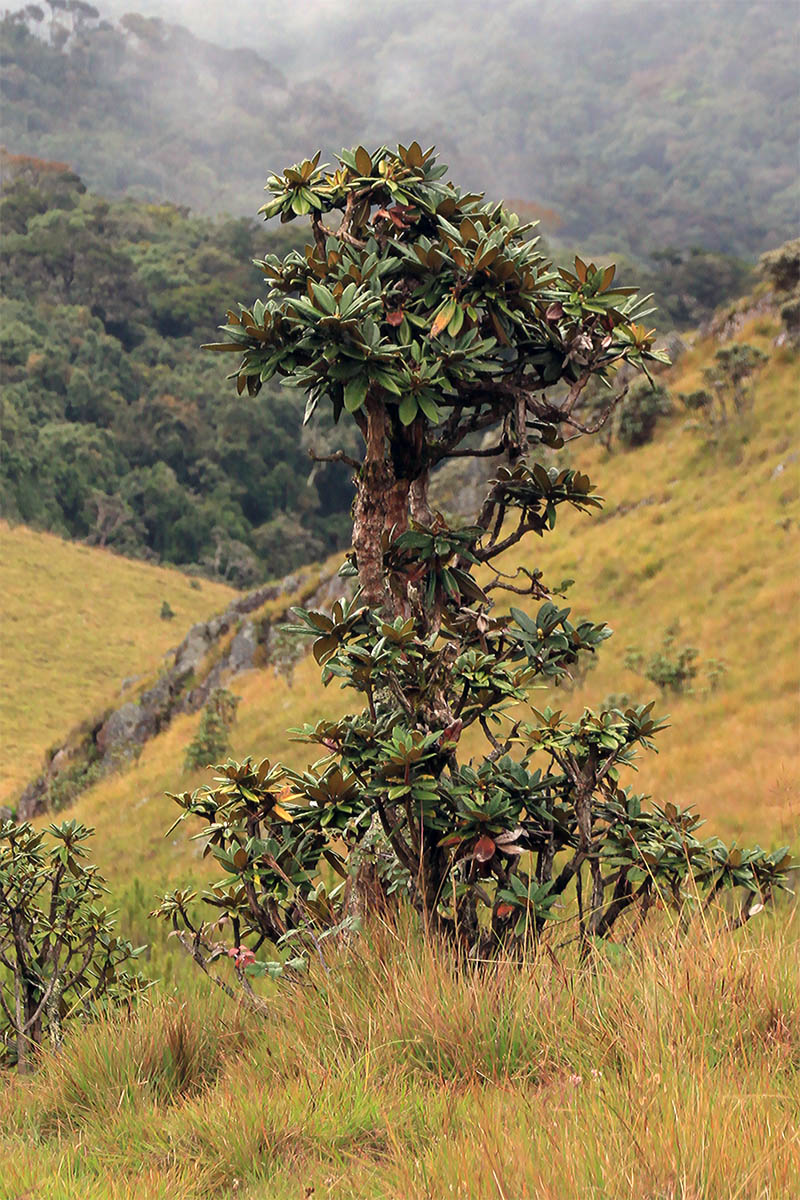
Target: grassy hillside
(76, 621)
(672, 1073)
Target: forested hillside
(116, 429)
(639, 126)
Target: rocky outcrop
(211, 653)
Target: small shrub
(167, 613)
(700, 401)
(60, 956)
(729, 381)
(212, 740)
(639, 412)
(68, 784)
(285, 652)
(674, 668)
(715, 673)
(782, 266)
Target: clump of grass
(671, 1071)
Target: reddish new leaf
(484, 849)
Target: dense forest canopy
(640, 126)
(115, 429)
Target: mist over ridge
(635, 125)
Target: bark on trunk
(418, 500)
(370, 510)
(386, 495)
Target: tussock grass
(672, 1070)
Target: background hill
(116, 429)
(639, 125)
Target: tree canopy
(428, 315)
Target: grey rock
(33, 800)
(193, 649)
(156, 700)
(243, 649)
(674, 345)
(59, 761)
(130, 725)
(6, 814)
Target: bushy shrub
(638, 414)
(782, 266)
(212, 740)
(673, 667)
(68, 784)
(60, 955)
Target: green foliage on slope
(115, 430)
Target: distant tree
(212, 739)
(693, 283)
(430, 316)
(729, 376)
(782, 268)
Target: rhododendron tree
(430, 317)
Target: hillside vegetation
(116, 429)
(75, 622)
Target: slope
(395, 1075)
(75, 622)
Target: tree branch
(338, 456)
(490, 452)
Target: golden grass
(76, 621)
(673, 1073)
